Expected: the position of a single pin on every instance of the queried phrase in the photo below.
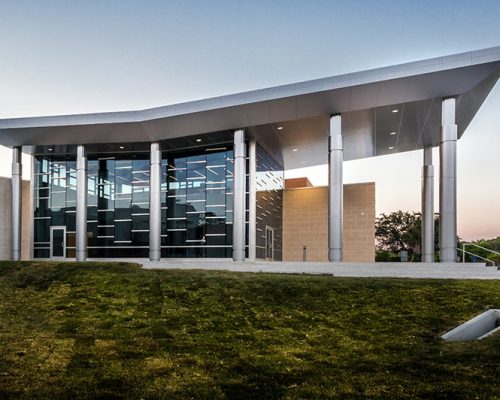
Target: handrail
(480, 247)
(475, 255)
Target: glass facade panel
(196, 186)
(112, 183)
(269, 207)
(58, 242)
(196, 201)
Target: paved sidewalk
(395, 270)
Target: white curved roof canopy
(365, 99)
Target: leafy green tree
(401, 230)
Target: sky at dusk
(66, 57)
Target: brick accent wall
(305, 219)
(6, 219)
(294, 183)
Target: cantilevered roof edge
(414, 68)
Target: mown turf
(116, 331)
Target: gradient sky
(80, 56)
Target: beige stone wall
(305, 219)
(6, 219)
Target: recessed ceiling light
(395, 110)
(121, 147)
(279, 128)
(50, 149)
(198, 140)
(392, 133)
(391, 148)
(295, 149)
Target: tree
(401, 230)
(397, 231)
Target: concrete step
(397, 270)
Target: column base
(427, 258)
(154, 255)
(81, 256)
(448, 256)
(238, 257)
(335, 255)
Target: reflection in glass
(196, 200)
(269, 207)
(112, 183)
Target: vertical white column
(427, 207)
(239, 186)
(16, 204)
(448, 183)
(252, 198)
(335, 190)
(155, 203)
(32, 207)
(81, 204)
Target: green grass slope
(112, 331)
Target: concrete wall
(6, 219)
(305, 218)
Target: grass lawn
(113, 331)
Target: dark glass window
(197, 184)
(112, 182)
(269, 207)
(196, 197)
(123, 231)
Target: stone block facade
(305, 223)
(6, 219)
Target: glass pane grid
(196, 188)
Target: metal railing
(464, 252)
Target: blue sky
(62, 57)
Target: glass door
(57, 242)
(269, 243)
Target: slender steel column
(335, 190)
(32, 208)
(155, 203)
(81, 203)
(252, 198)
(239, 186)
(448, 183)
(17, 201)
(427, 207)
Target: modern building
(205, 178)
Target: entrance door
(57, 242)
(269, 243)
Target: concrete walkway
(394, 270)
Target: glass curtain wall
(55, 201)
(117, 204)
(269, 207)
(196, 195)
(197, 202)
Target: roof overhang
(366, 101)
